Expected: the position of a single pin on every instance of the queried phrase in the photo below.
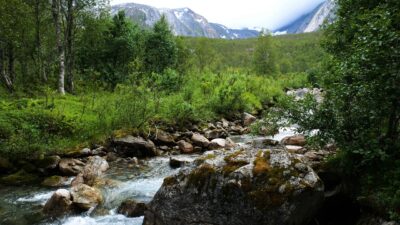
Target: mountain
(311, 21)
(183, 21)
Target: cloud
(269, 14)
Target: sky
(269, 14)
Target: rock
(19, 178)
(217, 133)
(86, 151)
(48, 162)
(59, 204)
(248, 119)
(295, 149)
(131, 208)
(163, 137)
(200, 140)
(94, 169)
(78, 180)
(225, 123)
(99, 151)
(298, 140)
(179, 161)
(185, 147)
(70, 167)
(270, 142)
(55, 181)
(85, 197)
(237, 129)
(239, 187)
(217, 143)
(135, 147)
(229, 143)
(5, 165)
(111, 156)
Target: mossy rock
(19, 178)
(54, 181)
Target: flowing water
(23, 205)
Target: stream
(23, 205)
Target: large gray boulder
(239, 187)
(135, 147)
(86, 197)
(59, 204)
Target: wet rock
(19, 178)
(54, 181)
(135, 146)
(239, 187)
(85, 197)
(48, 162)
(94, 169)
(298, 140)
(59, 204)
(200, 140)
(77, 180)
(131, 208)
(70, 167)
(248, 119)
(230, 143)
(185, 147)
(237, 129)
(176, 162)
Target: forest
(72, 75)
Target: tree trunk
(11, 60)
(7, 81)
(69, 46)
(38, 43)
(61, 58)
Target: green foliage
(264, 55)
(159, 48)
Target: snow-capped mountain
(183, 21)
(311, 21)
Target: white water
(133, 183)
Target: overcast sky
(269, 14)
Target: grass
(50, 123)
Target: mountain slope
(312, 21)
(183, 21)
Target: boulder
(111, 156)
(298, 140)
(93, 170)
(225, 123)
(295, 149)
(135, 147)
(131, 208)
(248, 119)
(200, 140)
(179, 161)
(163, 137)
(217, 143)
(59, 204)
(239, 187)
(71, 167)
(185, 147)
(86, 152)
(270, 142)
(55, 181)
(217, 133)
(85, 197)
(20, 177)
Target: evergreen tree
(160, 48)
(264, 56)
